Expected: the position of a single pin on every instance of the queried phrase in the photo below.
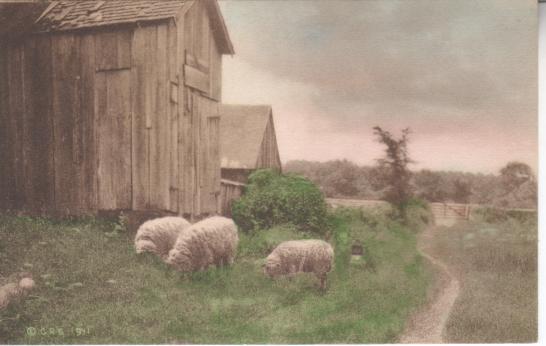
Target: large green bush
(275, 199)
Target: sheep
(158, 236)
(300, 256)
(12, 291)
(210, 241)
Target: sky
(461, 74)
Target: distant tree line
(514, 186)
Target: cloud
(334, 69)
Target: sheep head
(181, 261)
(272, 266)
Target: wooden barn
(113, 105)
(248, 142)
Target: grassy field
(93, 288)
(495, 258)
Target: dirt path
(426, 326)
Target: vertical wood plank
(16, 106)
(104, 193)
(40, 164)
(185, 144)
(28, 56)
(213, 161)
(123, 48)
(189, 29)
(88, 167)
(215, 71)
(202, 154)
(204, 37)
(159, 133)
(140, 139)
(65, 110)
(113, 50)
(7, 168)
(197, 128)
(106, 51)
(4, 144)
(114, 169)
(173, 114)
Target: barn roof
(242, 130)
(77, 14)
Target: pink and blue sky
(461, 74)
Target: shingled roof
(69, 15)
(242, 130)
(74, 14)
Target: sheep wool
(300, 256)
(12, 291)
(211, 241)
(158, 236)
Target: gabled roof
(73, 14)
(242, 130)
(77, 14)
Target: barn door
(113, 105)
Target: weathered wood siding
(49, 100)
(230, 192)
(199, 157)
(114, 139)
(7, 183)
(151, 150)
(109, 119)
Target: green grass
(73, 263)
(496, 259)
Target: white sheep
(158, 236)
(300, 256)
(12, 291)
(210, 241)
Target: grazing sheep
(159, 235)
(300, 256)
(211, 241)
(14, 290)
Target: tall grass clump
(273, 199)
(342, 243)
(417, 214)
(495, 256)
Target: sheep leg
(292, 272)
(229, 260)
(322, 282)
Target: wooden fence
(454, 211)
(229, 191)
(355, 203)
(444, 213)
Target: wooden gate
(454, 211)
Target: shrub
(342, 242)
(418, 214)
(275, 199)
